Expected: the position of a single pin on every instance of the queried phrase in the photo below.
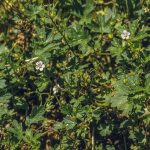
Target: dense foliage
(74, 74)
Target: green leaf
(3, 49)
(140, 36)
(105, 130)
(118, 101)
(116, 49)
(2, 84)
(59, 126)
(69, 124)
(36, 115)
(16, 130)
(32, 139)
(147, 84)
(66, 109)
(5, 98)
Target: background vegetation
(74, 74)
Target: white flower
(56, 88)
(125, 35)
(40, 65)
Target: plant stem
(125, 144)
(127, 7)
(63, 35)
(93, 136)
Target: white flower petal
(122, 35)
(41, 69)
(54, 92)
(125, 34)
(37, 63)
(55, 89)
(58, 85)
(43, 66)
(37, 67)
(124, 31)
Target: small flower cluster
(125, 35)
(40, 65)
(56, 89)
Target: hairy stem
(93, 136)
(127, 7)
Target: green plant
(74, 74)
